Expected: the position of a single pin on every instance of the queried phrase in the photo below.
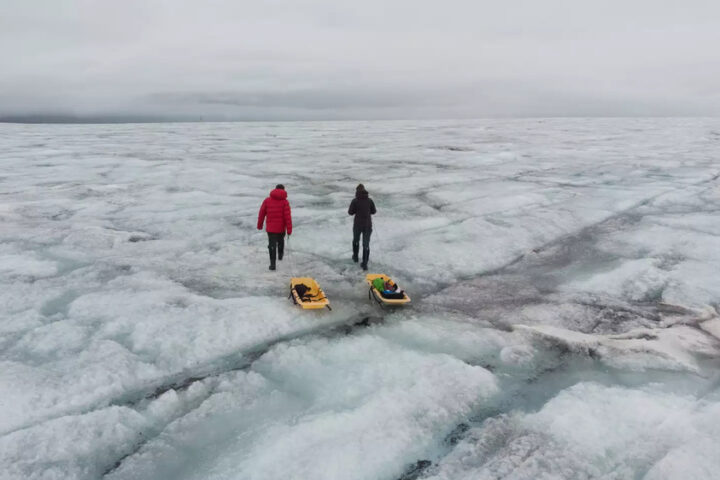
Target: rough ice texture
(593, 431)
(564, 324)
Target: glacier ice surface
(564, 324)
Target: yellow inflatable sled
(374, 293)
(306, 292)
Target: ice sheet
(143, 336)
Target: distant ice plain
(565, 276)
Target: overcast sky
(326, 59)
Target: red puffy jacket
(277, 210)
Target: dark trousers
(276, 244)
(365, 232)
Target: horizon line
(151, 119)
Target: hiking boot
(366, 256)
(272, 257)
(356, 247)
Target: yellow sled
(378, 296)
(314, 299)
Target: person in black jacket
(363, 208)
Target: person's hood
(361, 194)
(278, 194)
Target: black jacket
(362, 207)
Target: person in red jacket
(279, 220)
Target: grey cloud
(306, 98)
(295, 59)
